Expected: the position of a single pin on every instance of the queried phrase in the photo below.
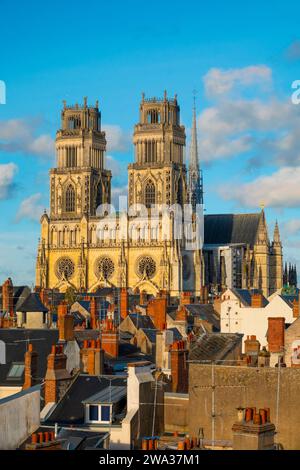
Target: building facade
(87, 248)
(239, 254)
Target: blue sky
(241, 58)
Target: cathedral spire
(276, 236)
(195, 173)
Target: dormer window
(100, 414)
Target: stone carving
(65, 268)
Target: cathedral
(80, 247)
(71, 251)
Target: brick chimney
(252, 430)
(31, 357)
(44, 441)
(93, 313)
(186, 298)
(8, 297)
(179, 367)
(181, 314)
(123, 302)
(143, 297)
(65, 323)
(157, 310)
(257, 300)
(92, 357)
(57, 377)
(276, 334)
(110, 338)
(44, 296)
(252, 345)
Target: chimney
(186, 298)
(143, 297)
(8, 297)
(65, 323)
(44, 441)
(93, 313)
(123, 302)
(253, 431)
(43, 293)
(276, 334)
(179, 367)
(57, 377)
(181, 314)
(252, 346)
(257, 300)
(157, 310)
(92, 357)
(110, 338)
(263, 358)
(30, 378)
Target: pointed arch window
(149, 194)
(180, 192)
(70, 199)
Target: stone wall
(243, 386)
(19, 417)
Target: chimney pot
(34, 438)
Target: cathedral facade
(80, 246)
(87, 248)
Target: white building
(247, 313)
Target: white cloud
(219, 82)
(18, 135)
(116, 193)
(30, 208)
(7, 173)
(117, 139)
(280, 189)
(292, 227)
(269, 131)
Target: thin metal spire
(195, 173)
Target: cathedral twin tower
(71, 253)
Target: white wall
(236, 318)
(19, 417)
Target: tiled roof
(70, 410)
(221, 229)
(213, 346)
(33, 303)
(141, 321)
(16, 340)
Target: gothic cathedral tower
(72, 251)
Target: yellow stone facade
(84, 249)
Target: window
(16, 371)
(149, 194)
(70, 199)
(105, 413)
(94, 413)
(99, 413)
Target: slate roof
(205, 312)
(150, 333)
(73, 439)
(20, 293)
(109, 394)
(223, 229)
(177, 336)
(213, 346)
(141, 321)
(245, 295)
(33, 303)
(15, 346)
(70, 410)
